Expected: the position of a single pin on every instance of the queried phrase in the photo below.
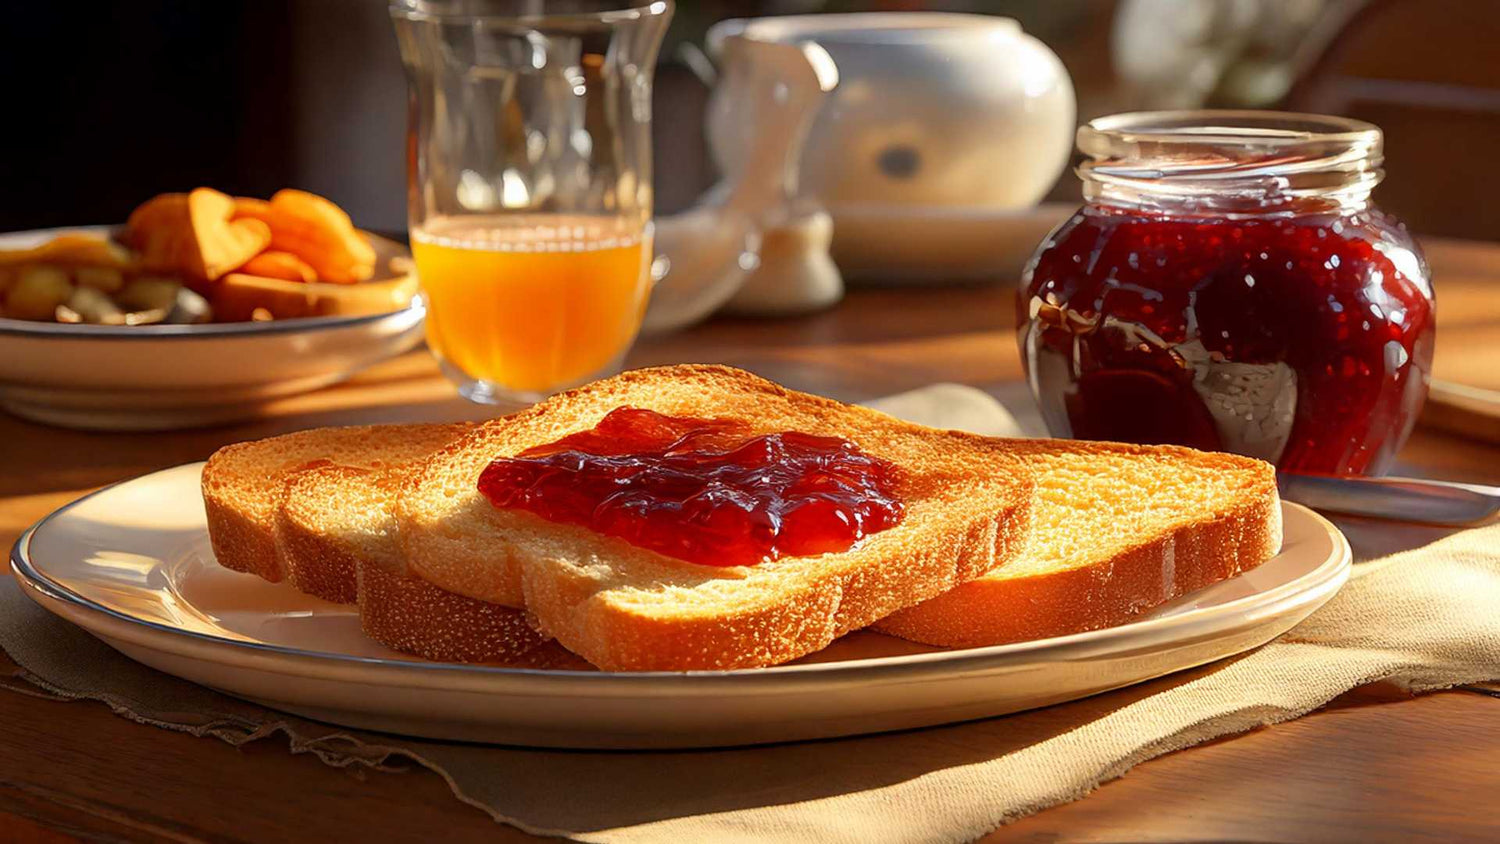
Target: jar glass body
(1293, 327)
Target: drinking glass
(529, 185)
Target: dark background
(110, 102)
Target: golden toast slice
(622, 607)
(1117, 531)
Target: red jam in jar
(1229, 287)
(702, 490)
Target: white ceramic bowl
(157, 377)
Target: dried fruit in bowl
(93, 261)
(90, 305)
(238, 297)
(71, 249)
(296, 255)
(282, 265)
(315, 230)
(194, 234)
(36, 292)
(103, 279)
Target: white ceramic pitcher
(944, 133)
(717, 253)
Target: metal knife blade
(1400, 499)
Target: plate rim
(1314, 588)
(215, 330)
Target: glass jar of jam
(1229, 285)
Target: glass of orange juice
(529, 185)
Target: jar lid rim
(1218, 126)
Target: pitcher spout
(710, 255)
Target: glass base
(480, 391)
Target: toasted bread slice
(338, 519)
(622, 607)
(1118, 530)
(244, 486)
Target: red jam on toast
(702, 490)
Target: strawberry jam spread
(707, 491)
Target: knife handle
(1401, 499)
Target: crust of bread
(241, 522)
(240, 541)
(625, 608)
(317, 564)
(336, 523)
(1114, 588)
(410, 615)
(244, 489)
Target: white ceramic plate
(155, 377)
(132, 565)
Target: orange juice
(531, 304)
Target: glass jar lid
(1262, 162)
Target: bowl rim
(25, 328)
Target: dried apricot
(282, 265)
(194, 234)
(320, 233)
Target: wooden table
(1373, 765)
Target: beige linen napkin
(1422, 619)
